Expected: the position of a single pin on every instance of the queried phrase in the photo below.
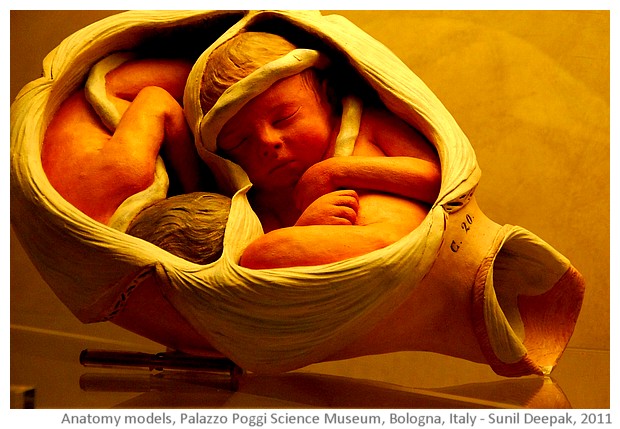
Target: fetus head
(279, 134)
(283, 130)
(190, 226)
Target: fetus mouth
(282, 165)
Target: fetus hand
(334, 208)
(314, 183)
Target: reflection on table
(48, 364)
(189, 389)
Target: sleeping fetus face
(280, 133)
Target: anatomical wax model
(315, 202)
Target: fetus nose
(270, 141)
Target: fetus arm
(128, 79)
(408, 177)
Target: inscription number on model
(465, 226)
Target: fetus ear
(328, 92)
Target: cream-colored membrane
(96, 92)
(524, 265)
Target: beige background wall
(531, 91)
